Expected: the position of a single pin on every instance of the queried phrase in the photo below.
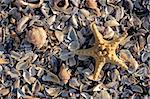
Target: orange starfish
(103, 51)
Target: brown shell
(37, 36)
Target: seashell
(37, 36)
(142, 72)
(145, 56)
(1, 68)
(36, 86)
(21, 23)
(3, 61)
(32, 71)
(85, 12)
(40, 71)
(148, 40)
(105, 95)
(32, 5)
(76, 2)
(51, 20)
(72, 35)
(15, 55)
(25, 89)
(53, 91)
(74, 21)
(28, 78)
(113, 84)
(85, 95)
(93, 5)
(61, 4)
(99, 87)
(13, 73)
(64, 74)
(4, 91)
(136, 88)
(61, 26)
(1, 34)
(108, 33)
(127, 56)
(126, 93)
(111, 23)
(22, 65)
(119, 12)
(59, 35)
(142, 43)
(36, 21)
(66, 55)
(74, 45)
(17, 83)
(51, 77)
(145, 23)
(74, 83)
(20, 93)
(30, 97)
(71, 62)
(65, 94)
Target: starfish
(103, 51)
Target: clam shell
(111, 23)
(59, 35)
(85, 12)
(53, 91)
(51, 20)
(74, 21)
(108, 33)
(4, 91)
(74, 83)
(66, 55)
(74, 45)
(136, 88)
(148, 40)
(22, 65)
(51, 77)
(22, 22)
(105, 95)
(36, 86)
(145, 56)
(37, 36)
(28, 78)
(64, 74)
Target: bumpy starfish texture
(103, 51)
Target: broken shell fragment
(4, 91)
(21, 23)
(37, 36)
(111, 23)
(32, 5)
(64, 74)
(3, 61)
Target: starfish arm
(86, 52)
(99, 65)
(98, 36)
(118, 40)
(119, 62)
